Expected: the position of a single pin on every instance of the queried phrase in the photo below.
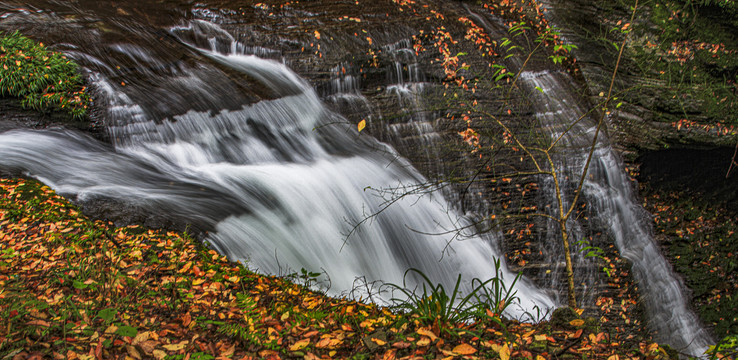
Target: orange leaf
(379, 342)
(390, 355)
(427, 332)
(464, 349)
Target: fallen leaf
(464, 349)
(390, 355)
(300, 345)
(378, 341)
(576, 322)
(131, 350)
(176, 347)
(424, 341)
(504, 352)
(361, 125)
(427, 332)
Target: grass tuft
(43, 80)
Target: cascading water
(608, 192)
(280, 181)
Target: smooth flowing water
(283, 182)
(609, 194)
(222, 134)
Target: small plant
(435, 306)
(498, 296)
(727, 348)
(43, 80)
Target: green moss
(689, 48)
(703, 247)
(43, 80)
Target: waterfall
(609, 194)
(281, 181)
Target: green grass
(43, 80)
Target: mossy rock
(563, 316)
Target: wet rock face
(699, 172)
(654, 95)
(361, 58)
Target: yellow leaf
(504, 352)
(576, 322)
(424, 341)
(158, 354)
(540, 337)
(539, 357)
(300, 344)
(427, 332)
(464, 349)
(317, 34)
(176, 347)
(362, 125)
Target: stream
(217, 129)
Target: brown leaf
(140, 337)
(186, 319)
(401, 345)
(228, 352)
(38, 323)
(147, 347)
(131, 350)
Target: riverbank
(81, 289)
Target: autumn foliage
(73, 288)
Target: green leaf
(107, 314)
(79, 285)
(539, 89)
(127, 331)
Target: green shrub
(43, 80)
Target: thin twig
(732, 161)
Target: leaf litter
(74, 288)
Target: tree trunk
(569, 268)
